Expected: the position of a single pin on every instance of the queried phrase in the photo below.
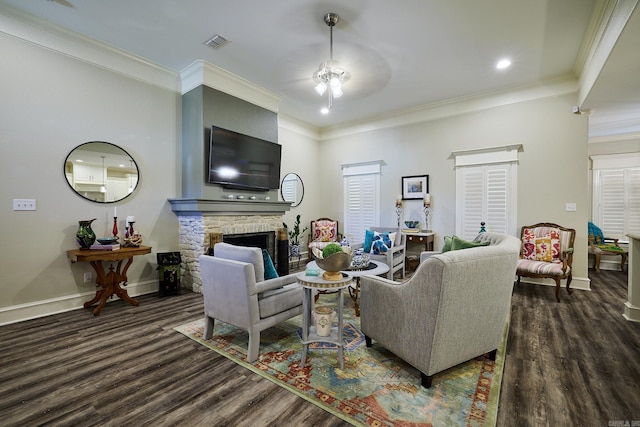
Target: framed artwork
(415, 187)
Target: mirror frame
(293, 203)
(133, 163)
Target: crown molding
(612, 17)
(201, 72)
(42, 33)
(614, 137)
(457, 106)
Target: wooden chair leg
(623, 261)
(557, 289)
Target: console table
(309, 335)
(108, 283)
(423, 237)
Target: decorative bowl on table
(412, 224)
(107, 240)
(333, 264)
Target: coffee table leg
(306, 313)
(354, 295)
(340, 338)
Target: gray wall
(203, 107)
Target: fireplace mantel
(207, 207)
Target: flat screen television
(243, 162)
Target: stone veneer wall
(194, 241)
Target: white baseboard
(580, 283)
(33, 310)
(631, 313)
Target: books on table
(111, 247)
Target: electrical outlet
(24, 204)
(87, 277)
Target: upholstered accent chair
(236, 292)
(322, 232)
(547, 252)
(454, 308)
(599, 245)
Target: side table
(309, 335)
(109, 283)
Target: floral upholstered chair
(599, 245)
(322, 232)
(547, 252)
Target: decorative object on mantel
(85, 235)
(427, 210)
(399, 208)
(294, 236)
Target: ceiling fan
(64, 3)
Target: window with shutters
(361, 199)
(486, 184)
(616, 195)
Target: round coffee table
(375, 268)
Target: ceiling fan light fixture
(329, 75)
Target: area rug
(375, 388)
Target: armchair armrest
(428, 254)
(276, 283)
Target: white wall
(552, 170)
(50, 104)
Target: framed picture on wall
(415, 187)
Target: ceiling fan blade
(64, 3)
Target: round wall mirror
(292, 189)
(101, 172)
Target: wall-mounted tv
(243, 162)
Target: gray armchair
(453, 308)
(235, 292)
(394, 258)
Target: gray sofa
(453, 309)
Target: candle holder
(130, 230)
(115, 227)
(427, 210)
(399, 209)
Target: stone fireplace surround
(198, 218)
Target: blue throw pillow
(368, 238)
(269, 269)
(381, 243)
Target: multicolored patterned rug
(375, 388)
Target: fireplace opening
(263, 240)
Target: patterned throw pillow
(325, 231)
(529, 244)
(543, 249)
(381, 243)
(555, 245)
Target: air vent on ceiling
(216, 41)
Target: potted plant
(294, 236)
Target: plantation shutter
(616, 195)
(483, 198)
(486, 184)
(361, 199)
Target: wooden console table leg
(100, 283)
(122, 278)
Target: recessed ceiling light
(502, 64)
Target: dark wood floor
(568, 364)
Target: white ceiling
(401, 55)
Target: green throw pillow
(269, 269)
(458, 243)
(447, 244)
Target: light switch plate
(24, 204)
(570, 207)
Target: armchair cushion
(242, 254)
